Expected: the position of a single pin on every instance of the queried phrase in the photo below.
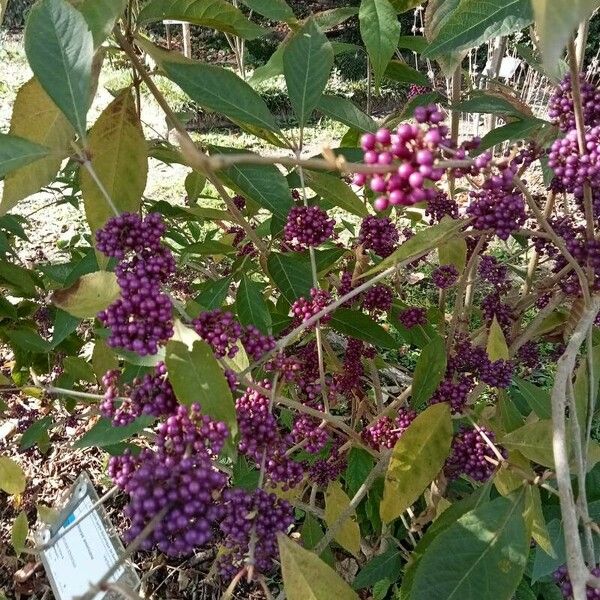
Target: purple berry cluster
(307, 226)
(251, 518)
(492, 271)
(142, 318)
(440, 206)
(151, 394)
(455, 392)
(412, 316)
(445, 276)
(562, 579)
(178, 476)
(385, 432)
(560, 105)
(305, 308)
(260, 436)
(570, 167)
(379, 235)
(257, 343)
(220, 330)
(411, 152)
(529, 355)
(492, 306)
(497, 209)
(468, 455)
(417, 90)
(311, 432)
(379, 298)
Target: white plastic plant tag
(78, 554)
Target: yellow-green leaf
(19, 532)
(336, 502)
(454, 252)
(103, 359)
(47, 514)
(36, 118)
(119, 159)
(307, 577)
(534, 517)
(496, 345)
(90, 294)
(534, 441)
(12, 478)
(417, 458)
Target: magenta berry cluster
(379, 235)
(468, 455)
(220, 330)
(560, 105)
(307, 226)
(445, 276)
(304, 309)
(410, 152)
(257, 343)
(412, 316)
(142, 318)
(385, 432)
(177, 476)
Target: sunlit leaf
(89, 295)
(336, 503)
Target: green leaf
(555, 21)
(311, 534)
(194, 184)
(336, 503)
(19, 533)
(328, 19)
(496, 344)
(307, 577)
(429, 371)
(37, 433)
(537, 398)
(101, 16)
(18, 279)
(197, 377)
(474, 22)
(12, 478)
(90, 294)
(326, 259)
(221, 90)
(28, 340)
(103, 358)
(16, 152)
(244, 475)
(488, 544)
(79, 369)
(216, 14)
(437, 14)
(208, 248)
(345, 111)
(513, 132)
(35, 118)
(360, 326)
(265, 184)
(380, 31)
(251, 307)
(420, 244)
(360, 463)
(104, 433)
(534, 441)
(384, 566)
(60, 49)
(64, 325)
(291, 273)
(213, 293)
(482, 102)
(454, 252)
(417, 458)
(333, 189)
(307, 62)
(278, 10)
(398, 70)
(120, 160)
(416, 43)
